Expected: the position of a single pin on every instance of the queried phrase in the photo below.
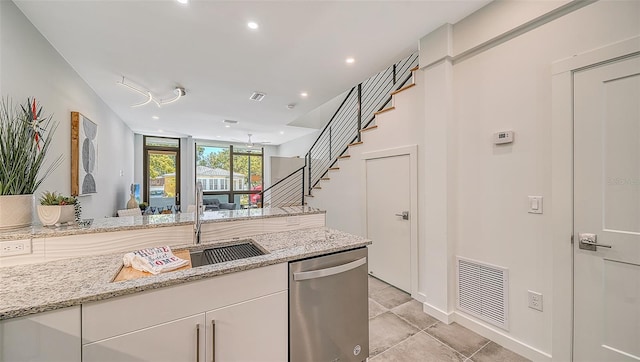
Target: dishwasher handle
(314, 274)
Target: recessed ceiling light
(281, 132)
(303, 94)
(183, 1)
(155, 117)
(252, 25)
(350, 60)
(227, 126)
(218, 136)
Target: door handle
(405, 215)
(329, 271)
(213, 340)
(198, 342)
(588, 241)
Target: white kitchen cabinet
(250, 308)
(255, 330)
(174, 341)
(50, 336)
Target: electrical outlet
(535, 300)
(15, 247)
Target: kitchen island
(116, 234)
(119, 318)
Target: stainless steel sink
(241, 250)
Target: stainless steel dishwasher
(328, 308)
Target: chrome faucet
(198, 212)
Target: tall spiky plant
(25, 138)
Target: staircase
(357, 115)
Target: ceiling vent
(257, 96)
(483, 291)
(229, 121)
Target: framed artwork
(84, 155)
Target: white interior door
(388, 196)
(607, 205)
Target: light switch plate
(535, 204)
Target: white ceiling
(207, 48)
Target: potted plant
(57, 209)
(25, 138)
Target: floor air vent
(483, 291)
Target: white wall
(473, 194)
(31, 67)
(508, 87)
(297, 147)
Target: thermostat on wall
(503, 137)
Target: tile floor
(400, 331)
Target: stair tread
(369, 128)
(317, 187)
(355, 143)
(403, 88)
(414, 68)
(384, 110)
(334, 168)
(309, 195)
(325, 179)
(344, 156)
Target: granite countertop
(258, 213)
(100, 225)
(35, 288)
(108, 224)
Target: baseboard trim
(438, 313)
(499, 337)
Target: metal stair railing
(286, 192)
(356, 112)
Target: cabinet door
(50, 336)
(175, 341)
(255, 330)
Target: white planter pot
(56, 214)
(15, 211)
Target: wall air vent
(483, 291)
(257, 96)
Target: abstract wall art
(84, 155)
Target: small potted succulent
(55, 209)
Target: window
(234, 172)
(161, 172)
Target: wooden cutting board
(128, 273)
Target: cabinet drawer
(128, 313)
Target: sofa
(215, 204)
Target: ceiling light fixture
(304, 94)
(183, 1)
(252, 25)
(350, 60)
(281, 132)
(155, 117)
(178, 91)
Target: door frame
(412, 152)
(562, 184)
